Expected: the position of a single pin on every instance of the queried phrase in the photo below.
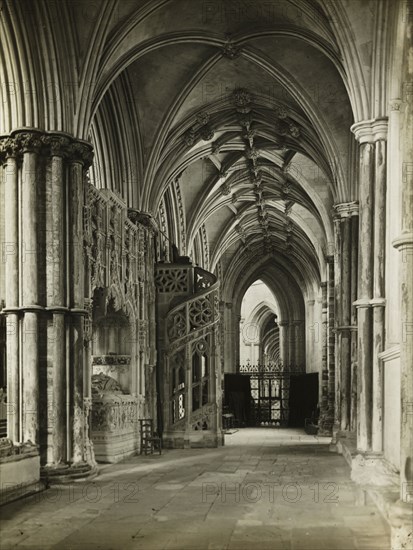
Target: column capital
(403, 242)
(346, 209)
(29, 141)
(57, 144)
(9, 147)
(368, 131)
(80, 151)
(283, 323)
(26, 140)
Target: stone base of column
(372, 469)
(400, 516)
(326, 423)
(64, 473)
(379, 482)
(344, 443)
(325, 429)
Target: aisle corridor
(267, 489)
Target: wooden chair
(149, 438)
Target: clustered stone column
(326, 421)
(45, 174)
(291, 343)
(10, 152)
(370, 302)
(331, 390)
(299, 343)
(404, 244)
(284, 357)
(346, 223)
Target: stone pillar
(79, 153)
(55, 274)
(331, 341)
(45, 219)
(284, 357)
(354, 281)
(372, 173)
(291, 344)
(326, 421)
(299, 342)
(365, 286)
(312, 335)
(30, 143)
(335, 275)
(378, 301)
(236, 342)
(401, 513)
(345, 212)
(404, 244)
(11, 258)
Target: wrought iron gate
(270, 391)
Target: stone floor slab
(267, 488)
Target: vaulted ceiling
(243, 109)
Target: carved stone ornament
(58, 145)
(190, 137)
(245, 119)
(215, 147)
(202, 118)
(9, 147)
(102, 383)
(230, 50)
(80, 152)
(225, 188)
(288, 207)
(294, 130)
(206, 133)
(241, 98)
(133, 215)
(30, 142)
(252, 153)
(286, 188)
(281, 112)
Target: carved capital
(58, 145)
(368, 131)
(9, 147)
(80, 152)
(347, 209)
(30, 142)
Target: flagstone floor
(266, 489)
